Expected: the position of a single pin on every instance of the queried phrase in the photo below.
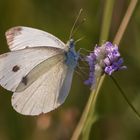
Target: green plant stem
(92, 118)
(106, 22)
(82, 121)
(125, 97)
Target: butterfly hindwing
(21, 37)
(46, 93)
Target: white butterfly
(39, 70)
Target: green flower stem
(90, 107)
(107, 16)
(92, 115)
(125, 97)
(84, 117)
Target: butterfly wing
(14, 66)
(21, 37)
(46, 93)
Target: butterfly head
(71, 43)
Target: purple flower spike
(105, 58)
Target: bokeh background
(117, 121)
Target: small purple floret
(105, 57)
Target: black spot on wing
(24, 80)
(15, 68)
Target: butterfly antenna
(79, 25)
(85, 50)
(74, 25)
(82, 71)
(80, 74)
(79, 39)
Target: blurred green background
(118, 121)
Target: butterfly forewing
(14, 66)
(22, 37)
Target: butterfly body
(71, 56)
(39, 70)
